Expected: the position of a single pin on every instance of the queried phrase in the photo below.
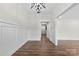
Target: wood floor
(72, 46)
(41, 48)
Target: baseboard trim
(17, 48)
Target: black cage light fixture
(38, 6)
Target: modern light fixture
(38, 6)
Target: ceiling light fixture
(38, 6)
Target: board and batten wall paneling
(8, 38)
(1, 53)
(11, 38)
(21, 36)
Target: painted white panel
(12, 38)
(21, 36)
(0, 31)
(0, 40)
(8, 39)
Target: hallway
(21, 27)
(40, 48)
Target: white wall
(11, 38)
(17, 27)
(51, 30)
(67, 27)
(13, 33)
(58, 8)
(8, 12)
(34, 27)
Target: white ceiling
(47, 11)
(52, 9)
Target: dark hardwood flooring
(41, 48)
(72, 46)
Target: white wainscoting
(12, 37)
